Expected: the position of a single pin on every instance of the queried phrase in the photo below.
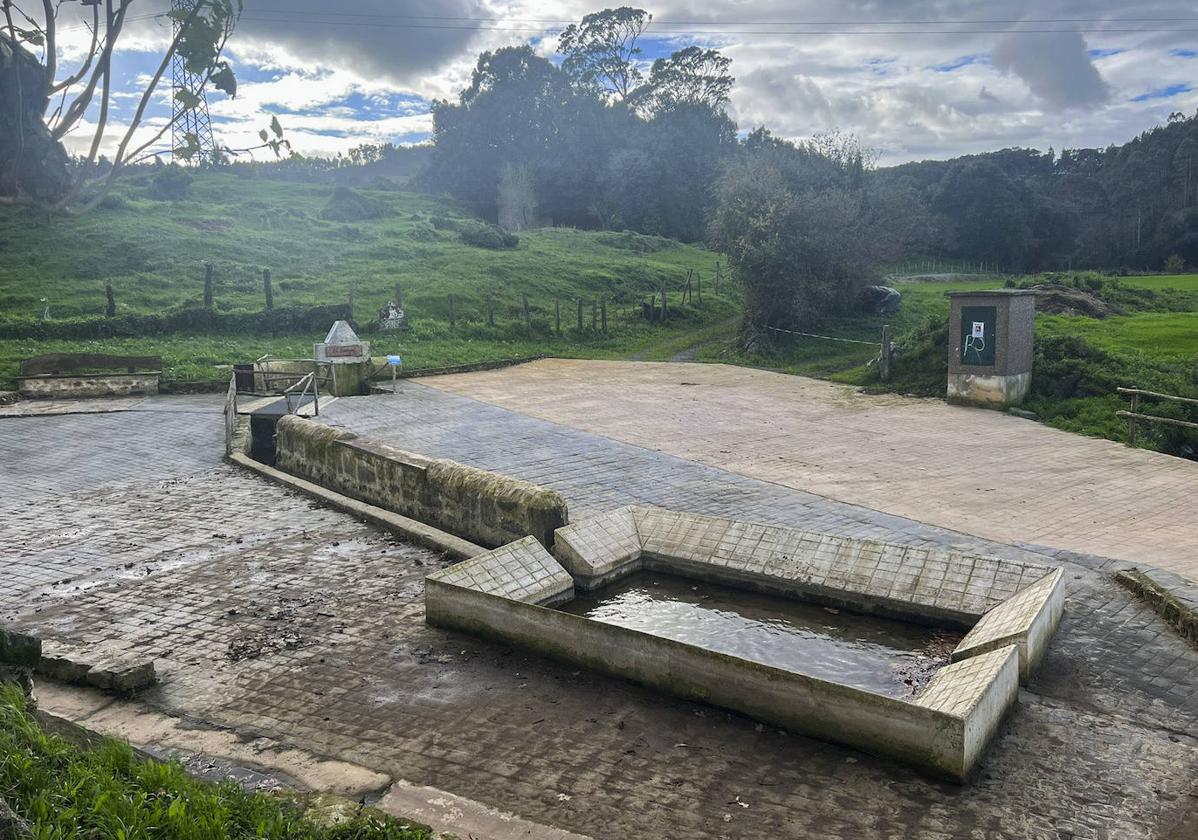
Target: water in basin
(889, 657)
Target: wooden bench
(56, 375)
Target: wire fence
(826, 337)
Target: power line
(815, 32)
(671, 22)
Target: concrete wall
(483, 507)
(1027, 620)
(89, 385)
(926, 737)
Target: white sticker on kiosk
(979, 329)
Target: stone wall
(944, 741)
(89, 385)
(480, 506)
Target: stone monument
(349, 357)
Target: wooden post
(266, 290)
(665, 304)
(527, 318)
(110, 305)
(557, 316)
(594, 314)
(452, 316)
(603, 315)
(580, 314)
(689, 294)
(1131, 421)
(208, 285)
(490, 312)
(398, 297)
(699, 284)
(884, 356)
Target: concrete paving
(276, 619)
(980, 472)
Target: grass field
(153, 254)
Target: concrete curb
(416, 532)
(1174, 598)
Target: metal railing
(309, 381)
(1135, 416)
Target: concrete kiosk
(990, 346)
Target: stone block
(521, 571)
(122, 676)
(1027, 620)
(599, 549)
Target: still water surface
(878, 654)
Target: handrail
(309, 381)
(1143, 393)
(1133, 416)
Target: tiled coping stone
(1013, 609)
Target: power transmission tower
(189, 112)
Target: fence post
(1131, 421)
(110, 305)
(665, 304)
(717, 277)
(207, 285)
(594, 314)
(557, 315)
(452, 316)
(490, 312)
(527, 318)
(699, 284)
(266, 290)
(580, 314)
(884, 357)
(603, 314)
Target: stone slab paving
(274, 618)
(980, 472)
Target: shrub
(1175, 264)
(198, 319)
(488, 236)
(346, 205)
(171, 183)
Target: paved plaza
(971, 470)
(271, 617)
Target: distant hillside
(1133, 206)
(153, 253)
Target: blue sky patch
(1105, 53)
(958, 63)
(1184, 53)
(1164, 93)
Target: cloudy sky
(914, 79)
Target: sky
(913, 79)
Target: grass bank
(59, 789)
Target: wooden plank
(57, 362)
(1154, 394)
(1152, 417)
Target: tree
(37, 173)
(692, 76)
(802, 232)
(600, 53)
(988, 213)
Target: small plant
(1175, 264)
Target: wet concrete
(877, 654)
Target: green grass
(153, 254)
(64, 791)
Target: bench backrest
(63, 362)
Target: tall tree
(691, 76)
(601, 51)
(36, 173)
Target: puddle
(877, 654)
